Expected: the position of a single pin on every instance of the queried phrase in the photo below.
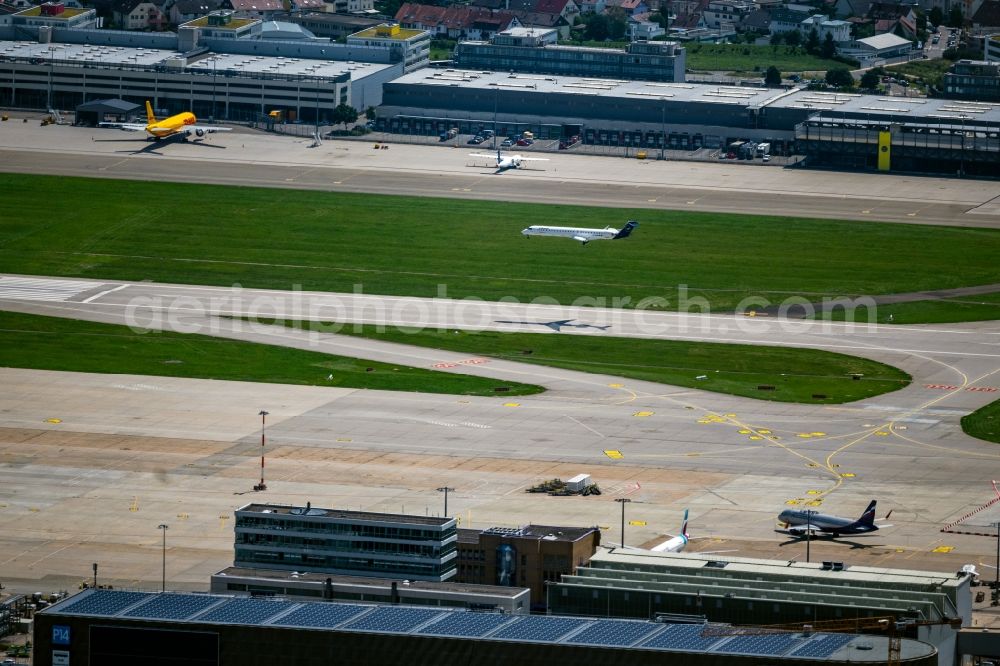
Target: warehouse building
(531, 50)
(631, 584)
(307, 586)
(352, 543)
(209, 84)
(108, 628)
(691, 116)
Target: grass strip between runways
(52, 343)
(781, 374)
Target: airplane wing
(489, 156)
(128, 127)
(205, 128)
(534, 159)
(581, 239)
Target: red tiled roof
(452, 18)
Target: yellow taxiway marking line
(613, 454)
(643, 414)
(511, 404)
(53, 420)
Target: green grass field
(984, 423)
(51, 343)
(276, 238)
(931, 71)
(754, 58)
(984, 307)
(797, 375)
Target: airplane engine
(200, 132)
(517, 163)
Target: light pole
(809, 513)
(163, 585)
(95, 575)
(263, 429)
(623, 501)
(996, 581)
(214, 81)
(445, 490)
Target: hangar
(646, 114)
(112, 627)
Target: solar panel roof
(413, 620)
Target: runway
(266, 160)
(905, 448)
(90, 464)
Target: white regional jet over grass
(504, 162)
(581, 234)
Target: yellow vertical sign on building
(884, 150)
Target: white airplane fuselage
(581, 234)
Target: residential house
(759, 21)
(897, 19)
(262, 9)
(183, 11)
(630, 7)
(138, 15)
(786, 20)
(456, 22)
(591, 6)
(720, 13)
(853, 8)
(351, 6)
(987, 17)
(640, 28)
(306, 5)
(840, 30)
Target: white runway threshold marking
(41, 289)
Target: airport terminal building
(112, 628)
(873, 132)
(637, 584)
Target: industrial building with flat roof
(308, 586)
(107, 628)
(211, 85)
(686, 115)
(521, 50)
(638, 584)
(352, 543)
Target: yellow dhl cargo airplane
(181, 125)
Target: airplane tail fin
(867, 519)
(150, 118)
(684, 525)
(627, 229)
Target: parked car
(476, 140)
(525, 142)
(507, 143)
(766, 158)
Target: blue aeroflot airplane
(799, 522)
(581, 234)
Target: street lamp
(623, 501)
(809, 513)
(445, 490)
(996, 581)
(163, 585)
(263, 428)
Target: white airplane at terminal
(581, 234)
(504, 162)
(674, 544)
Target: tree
(617, 24)
(840, 77)
(793, 38)
(870, 79)
(660, 19)
(371, 113)
(344, 114)
(597, 28)
(812, 41)
(829, 47)
(772, 79)
(936, 16)
(955, 17)
(776, 39)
